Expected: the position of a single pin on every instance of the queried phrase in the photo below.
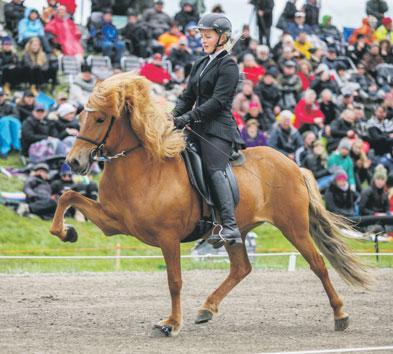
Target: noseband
(98, 154)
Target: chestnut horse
(145, 192)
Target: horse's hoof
(164, 329)
(203, 316)
(71, 235)
(341, 324)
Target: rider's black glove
(182, 121)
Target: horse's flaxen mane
(150, 123)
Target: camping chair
(129, 63)
(69, 67)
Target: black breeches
(215, 153)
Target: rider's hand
(182, 121)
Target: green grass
(30, 236)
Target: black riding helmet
(217, 22)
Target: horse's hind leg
(303, 242)
(89, 208)
(240, 267)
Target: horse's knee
(240, 272)
(66, 197)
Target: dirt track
(114, 312)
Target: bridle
(98, 154)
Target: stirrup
(216, 239)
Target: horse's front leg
(89, 208)
(171, 251)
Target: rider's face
(209, 40)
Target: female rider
(211, 87)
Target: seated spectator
(384, 31)
(10, 65)
(365, 30)
(10, 127)
(357, 50)
(316, 162)
(252, 135)
(35, 65)
(307, 112)
(39, 197)
(381, 137)
(154, 71)
(301, 153)
(303, 45)
(284, 137)
(374, 199)
(388, 105)
(263, 57)
(323, 81)
(339, 197)
(14, 11)
(269, 95)
(361, 163)
(157, 20)
(243, 99)
(186, 15)
(328, 32)
(66, 128)
(49, 12)
(288, 55)
(288, 15)
(82, 87)
(341, 160)
(171, 38)
(372, 58)
(193, 39)
(362, 78)
(66, 33)
(304, 74)
(38, 141)
(344, 127)
(106, 37)
(331, 58)
(286, 41)
(386, 51)
(289, 85)
(255, 111)
(31, 27)
(346, 101)
(136, 34)
(294, 28)
(25, 105)
(328, 107)
(252, 71)
(181, 55)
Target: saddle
(193, 163)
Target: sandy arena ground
(270, 311)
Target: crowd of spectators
(322, 96)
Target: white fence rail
(292, 257)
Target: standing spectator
(10, 127)
(155, 72)
(290, 85)
(35, 65)
(243, 99)
(339, 197)
(294, 28)
(65, 32)
(31, 27)
(252, 71)
(82, 87)
(308, 114)
(242, 45)
(70, 5)
(136, 35)
(14, 11)
(157, 20)
(374, 200)
(284, 137)
(198, 5)
(341, 160)
(288, 15)
(25, 105)
(311, 10)
(186, 15)
(252, 135)
(384, 31)
(10, 65)
(264, 12)
(377, 8)
(170, 38)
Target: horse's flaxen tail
(326, 229)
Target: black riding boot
(224, 199)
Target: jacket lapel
(213, 63)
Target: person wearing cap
(255, 111)
(25, 105)
(377, 8)
(374, 199)
(39, 196)
(384, 31)
(136, 35)
(339, 198)
(294, 28)
(154, 70)
(31, 26)
(67, 125)
(157, 20)
(328, 30)
(82, 86)
(206, 106)
(186, 15)
(289, 85)
(9, 65)
(341, 159)
(181, 55)
(193, 39)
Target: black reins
(98, 153)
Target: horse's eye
(100, 120)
